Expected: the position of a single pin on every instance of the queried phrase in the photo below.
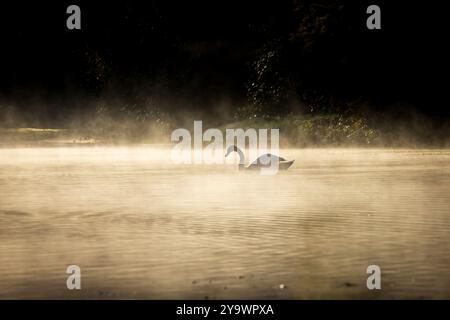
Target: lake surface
(141, 227)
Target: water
(141, 227)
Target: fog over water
(142, 227)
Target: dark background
(318, 55)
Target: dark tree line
(264, 58)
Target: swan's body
(263, 161)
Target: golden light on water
(142, 227)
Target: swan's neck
(241, 156)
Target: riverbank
(295, 131)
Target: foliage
(301, 65)
(323, 130)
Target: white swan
(263, 161)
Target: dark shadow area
(143, 63)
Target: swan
(263, 161)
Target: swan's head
(231, 149)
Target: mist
(87, 178)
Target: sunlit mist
(142, 227)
